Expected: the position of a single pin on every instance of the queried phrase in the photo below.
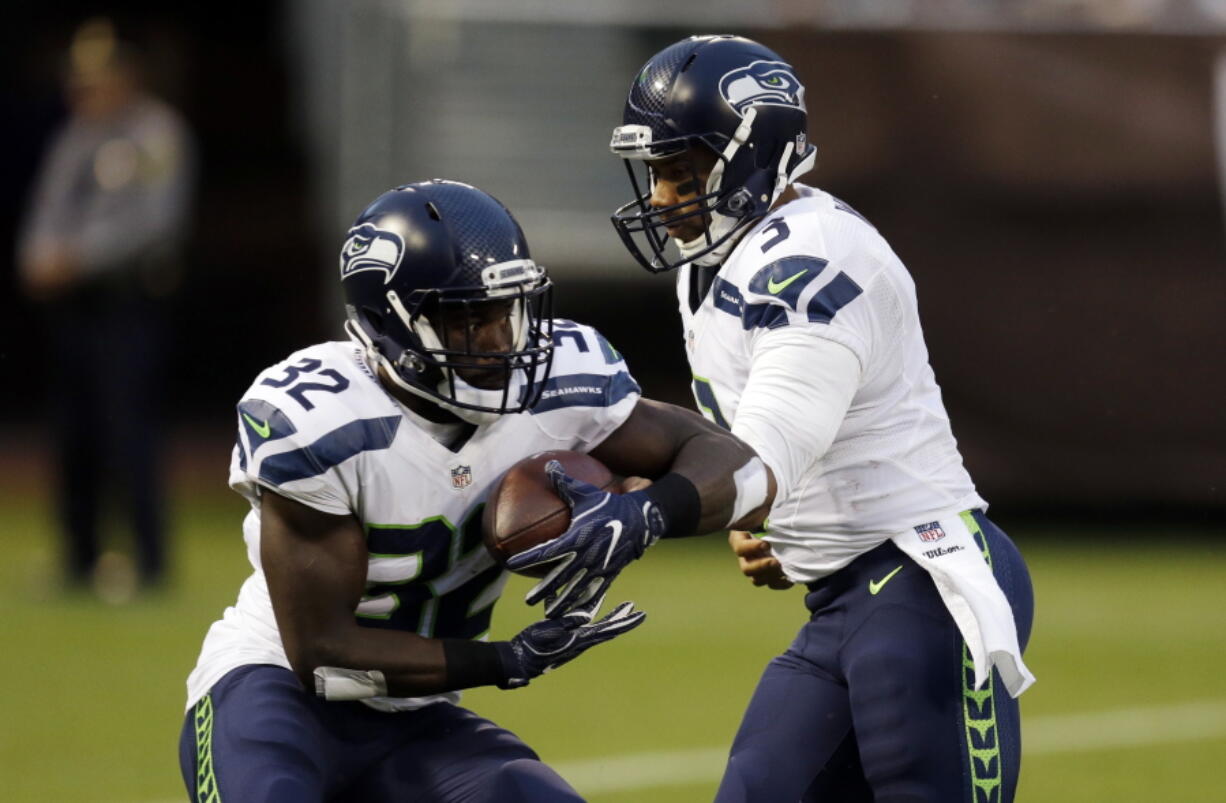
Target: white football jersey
(320, 429)
(893, 462)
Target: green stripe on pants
(206, 781)
(979, 710)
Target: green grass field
(1129, 643)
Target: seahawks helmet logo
(371, 248)
(763, 83)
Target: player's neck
(700, 284)
(786, 197)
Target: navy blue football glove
(549, 644)
(607, 532)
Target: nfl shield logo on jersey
(461, 477)
(930, 532)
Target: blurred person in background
(803, 335)
(99, 252)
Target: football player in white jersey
(335, 675)
(803, 336)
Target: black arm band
(472, 663)
(678, 501)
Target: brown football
(523, 510)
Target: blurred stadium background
(1051, 171)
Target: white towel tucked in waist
(947, 551)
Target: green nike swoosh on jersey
(775, 289)
(875, 586)
(263, 430)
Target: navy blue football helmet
(423, 253)
(734, 97)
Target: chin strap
(724, 225)
(782, 178)
(469, 394)
(377, 360)
(721, 225)
(803, 166)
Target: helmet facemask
(726, 205)
(643, 227)
(412, 342)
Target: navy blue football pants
(257, 736)
(875, 699)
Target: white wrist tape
(335, 683)
(751, 481)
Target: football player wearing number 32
(335, 676)
(804, 340)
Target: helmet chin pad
(475, 404)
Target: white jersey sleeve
(799, 389)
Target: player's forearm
(711, 462)
(695, 466)
(408, 665)
(407, 662)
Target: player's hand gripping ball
(608, 530)
(524, 510)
